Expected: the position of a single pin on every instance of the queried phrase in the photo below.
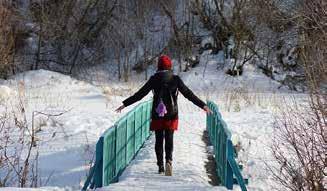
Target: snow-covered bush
(300, 147)
(6, 93)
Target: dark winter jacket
(174, 84)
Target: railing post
(134, 115)
(116, 168)
(99, 167)
(229, 170)
(126, 140)
(141, 124)
(235, 168)
(147, 119)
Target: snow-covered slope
(65, 143)
(209, 78)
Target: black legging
(168, 135)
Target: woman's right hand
(118, 110)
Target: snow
(34, 189)
(207, 40)
(207, 80)
(6, 93)
(248, 104)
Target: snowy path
(189, 157)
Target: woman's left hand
(207, 110)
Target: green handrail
(118, 146)
(220, 138)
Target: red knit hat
(164, 63)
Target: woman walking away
(165, 86)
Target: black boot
(161, 169)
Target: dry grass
(238, 98)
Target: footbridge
(125, 157)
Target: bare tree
(180, 28)
(17, 145)
(71, 35)
(19, 141)
(7, 38)
(300, 145)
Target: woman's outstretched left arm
(191, 96)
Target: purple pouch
(161, 109)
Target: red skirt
(161, 124)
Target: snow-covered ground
(66, 143)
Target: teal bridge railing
(120, 143)
(220, 138)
